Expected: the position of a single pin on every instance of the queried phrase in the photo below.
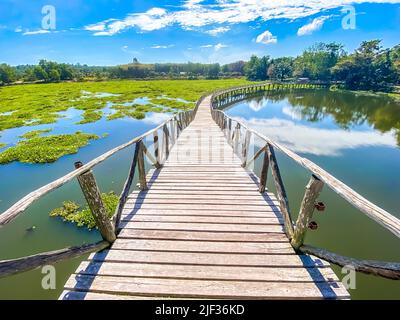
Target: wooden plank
(204, 246)
(266, 274)
(205, 288)
(202, 226)
(181, 206)
(178, 200)
(199, 213)
(139, 217)
(84, 295)
(203, 258)
(200, 194)
(202, 235)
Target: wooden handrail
(15, 266)
(374, 212)
(20, 206)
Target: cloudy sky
(109, 32)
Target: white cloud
(216, 47)
(219, 46)
(315, 25)
(30, 33)
(195, 14)
(162, 46)
(18, 29)
(318, 141)
(217, 31)
(192, 3)
(266, 38)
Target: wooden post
(237, 133)
(141, 167)
(264, 172)
(281, 192)
(245, 148)
(127, 186)
(166, 141)
(156, 148)
(313, 189)
(92, 195)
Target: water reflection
(317, 141)
(322, 122)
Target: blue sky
(110, 32)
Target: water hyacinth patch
(46, 149)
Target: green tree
(256, 68)
(368, 68)
(281, 68)
(213, 71)
(39, 73)
(7, 74)
(54, 75)
(317, 61)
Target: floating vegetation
(127, 113)
(2, 145)
(172, 103)
(91, 116)
(46, 149)
(34, 133)
(72, 212)
(34, 104)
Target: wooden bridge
(202, 225)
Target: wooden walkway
(202, 230)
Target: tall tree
(7, 74)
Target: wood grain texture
(202, 230)
(15, 266)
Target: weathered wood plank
(202, 235)
(266, 274)
(173, 206)
(204, 246)
(203, 258)
(15, 266)
(269, 213)
(205, 288)
(139, 217)
(201, 226)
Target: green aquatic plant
(2, 145)
(82, 217)
(34, 133)
(122, 113)
(90, 116)
(34, 104)
(172, 103)
(46, 149)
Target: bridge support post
(281, 192)
(264, 172)
(141, 166)
(313, 189)
(92, 195)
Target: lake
(354, 137)
(18, 179)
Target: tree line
(369, 67)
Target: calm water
(18, 179)
(354, 137)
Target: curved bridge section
(202, 229)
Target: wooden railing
(239, 135)
(163, 136)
